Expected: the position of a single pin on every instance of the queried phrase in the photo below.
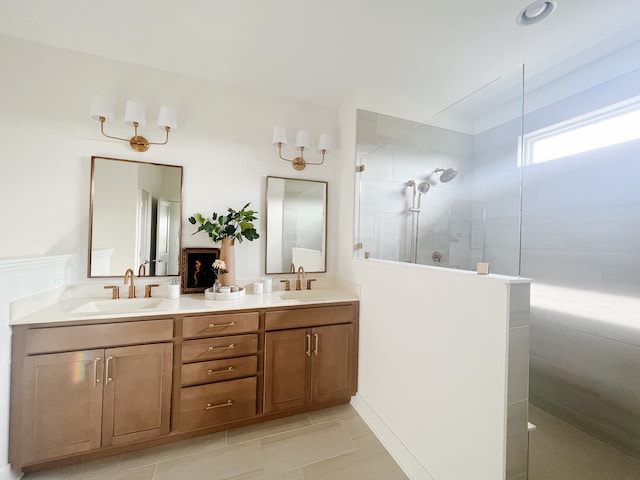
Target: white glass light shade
(167, 118)
(102, 107)
(279, 136)
(324, 143)
(302, 139)
(134, 113)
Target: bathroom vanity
(89, 386)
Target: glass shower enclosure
(445, 192)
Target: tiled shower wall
(518, 383)
(581, 244)
(393, 152)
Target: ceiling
(401, 55)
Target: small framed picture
(197, 270)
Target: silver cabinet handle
(96, 380)
(315, 348)
(107, 369)
(216, 349)
(308, 352)
(210, 406)
(214, 372)
(220, 325)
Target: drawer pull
(217, 349)
(220, 325)
(108, 370)
(220, 405)
(96, 380)
(308, 352)
(214, 372)
(315, 348)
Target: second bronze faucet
(300, 273)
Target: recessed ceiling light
(536, 12)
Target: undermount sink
(122, 305)
(305, 295)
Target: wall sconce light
(102, 109)
(302, 144)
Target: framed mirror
(134, 218)
(296, 225)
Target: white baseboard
(398, 450)
(7, 473)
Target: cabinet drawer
(84, 337)
(219, 347)
(308, 317)
(210, 325)
(217, 403)
(218, 370)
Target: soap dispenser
(173, 290)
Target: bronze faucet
(132, 288)
(292, 268)
(142, 270)
(300, 271)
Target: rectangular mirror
(134, 218)
(296, 225)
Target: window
(608, 126)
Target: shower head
(448, 174)
(424, 187)
(418, 190)
(440, 175)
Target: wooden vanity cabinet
(76, 401)
(88, 389)
(312, 365)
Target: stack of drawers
(219, 368)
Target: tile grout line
(295, 429)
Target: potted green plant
(226, 229)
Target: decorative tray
(209, 294)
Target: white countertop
(58, 307)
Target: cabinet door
(62, 404)
(137, 393)
(333, 363)
(287, 369)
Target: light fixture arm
(299, 163)
(102, 120)
(166, 139)
(137, 142)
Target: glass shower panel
(445, 192)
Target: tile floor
(335, 444)
(331, 444)
(559, 451)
